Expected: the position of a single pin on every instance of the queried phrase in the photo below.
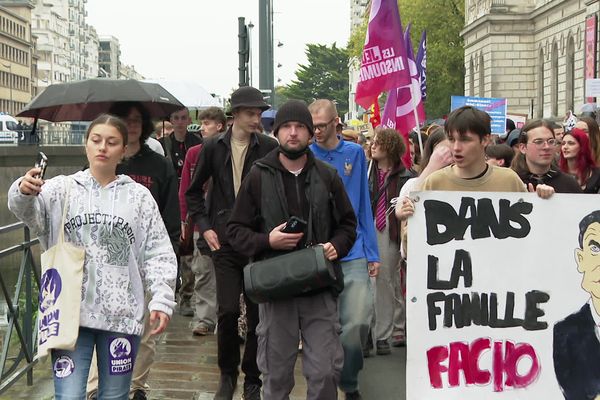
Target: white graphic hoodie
(127, 247)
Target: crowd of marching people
(175, 213)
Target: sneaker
(383, 348)
(186, 310)
(226, 389)
(353, 395)
(139, 395)
(251, 391)
(202, 330)
(398, 340)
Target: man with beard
(226, 158)
(290, 181)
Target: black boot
(251, 391)
(226, 388)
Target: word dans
(480, 215)
(461, 357)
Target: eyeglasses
(540, 142)
(321, 127)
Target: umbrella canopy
(85, 100)
(192, 95)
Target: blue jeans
(356, 313)
(116, 355)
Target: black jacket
(171, 148)
(576, 352)
(561, 182)
(592, 185)
(215, 162)
(394, 181)
(249, 231)
(156, 173)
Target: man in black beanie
(290, 182)
(226, 158)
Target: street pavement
(186, 368)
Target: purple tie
(381, 202)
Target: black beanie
(293, 110)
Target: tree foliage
(443, 20)
(324, 76)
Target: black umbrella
(85, 100)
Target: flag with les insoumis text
(384, 65)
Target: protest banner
(495, 107)
(498, 301)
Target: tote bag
(60, 292)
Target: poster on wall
(503, 296)
(590, 49)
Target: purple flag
(422, 64)
(384, 65)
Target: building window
(540, 87)
(570, 61)
(554, 81)
(481, 77)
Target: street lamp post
(10, 85)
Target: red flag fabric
(384, 65)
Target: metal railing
(18, 352)
(51, 137)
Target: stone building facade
(529, 51)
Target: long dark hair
(122, 109)
(436, 136)
(594, 135)
(519, 163)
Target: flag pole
(416, 114)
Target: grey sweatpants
(316, 318)
(390, 305)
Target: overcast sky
(197, 39)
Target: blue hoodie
(351, 164)
(127, 248)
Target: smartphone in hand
(294, 225)
(42, 163)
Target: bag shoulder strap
(61, 235)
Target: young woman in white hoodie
(127, 252)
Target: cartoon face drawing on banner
(575, 337)
(50, 288)
(63, 367)
(121, 356)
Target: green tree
(443, 20)
(324, 76)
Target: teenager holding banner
(127, 252)
(469, 132)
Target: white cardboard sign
(495, 304)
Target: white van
(8, 130)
